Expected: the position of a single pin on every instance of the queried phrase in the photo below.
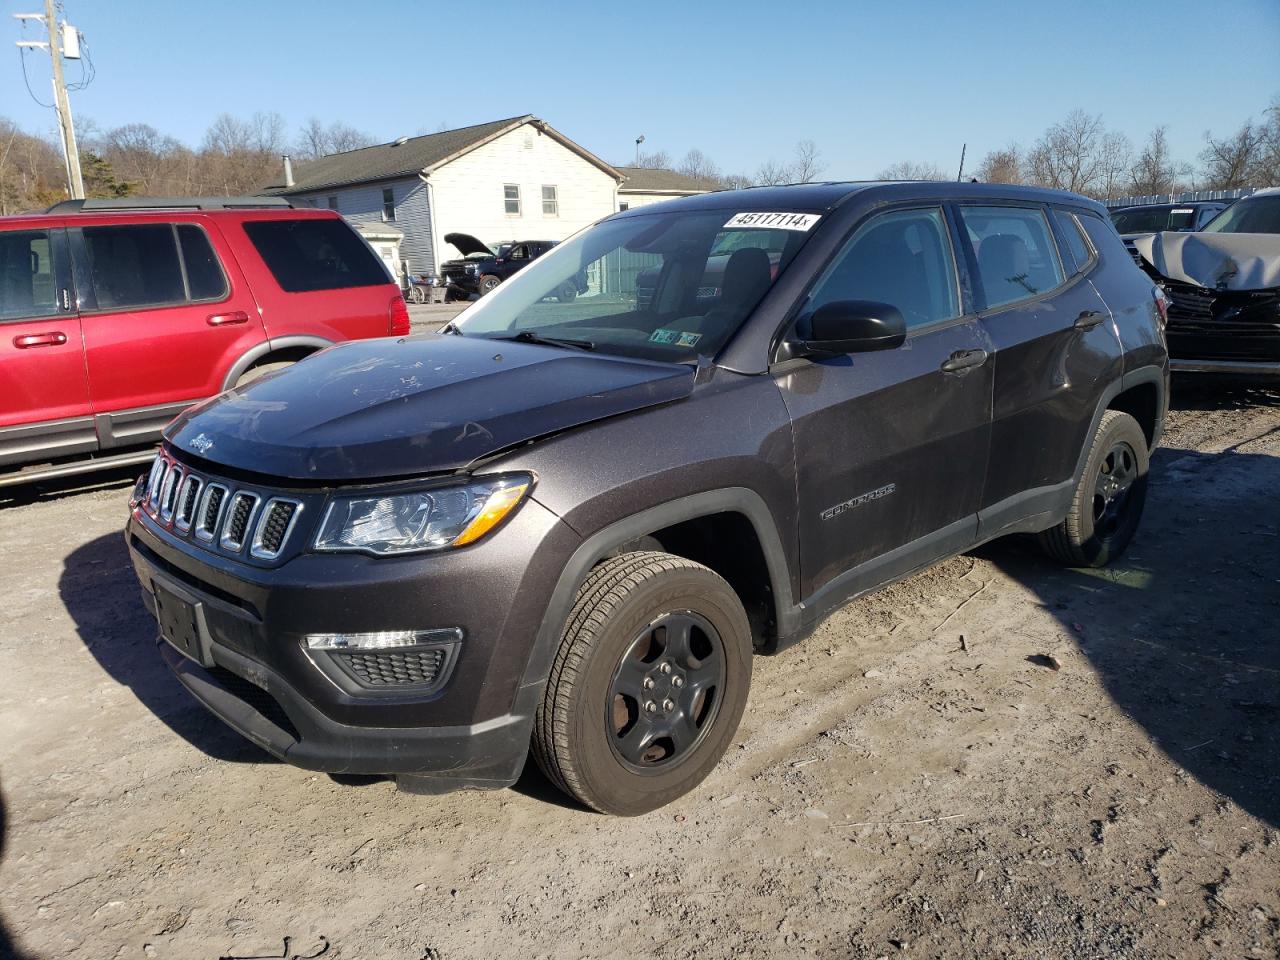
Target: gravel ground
(1091, 772)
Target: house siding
(468, 191)
(362, 205)
(634, 200)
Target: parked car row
(116, 319)
(564, 528)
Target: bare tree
(316, 140)
(1230, 162)
(1155, 171)
(1115, 158)
(1068, 155)
(697, 164)
(771, 173)
(906, 170)
(1267, 169)
(806, 167)
(1001, 166)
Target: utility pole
(70, 153)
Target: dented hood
(1216, 261)
(379, 409)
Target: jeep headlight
(419, 520)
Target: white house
(516, 179)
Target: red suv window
(308, 255)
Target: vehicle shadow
(1182, 628)
(1191, 392)
(8, 947)
(100, 592)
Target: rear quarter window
(309, 255)
(1076, 244)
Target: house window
(623, 205)
(388, 204)
(511, 199)
(333, 202)
(550, 203)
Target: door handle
(1089, 319)
(55, 338)
(225, 319)
(964, 360)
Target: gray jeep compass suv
(565, 527)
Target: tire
(1109, 498)
(261, 370)
(489, 283)
(568, 293)
(600, 734)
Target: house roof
(415, 155)
(656, 180)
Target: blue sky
(871, 83)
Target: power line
(27, 81)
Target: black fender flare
(266, 347)
(599, 544)
(1155, 375)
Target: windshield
(1153, 219)
(669, 286)
(1251, 215)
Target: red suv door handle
(54, 339)
(223, 319)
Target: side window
(1104, 238)
(1077, 245)
(550, 201)
(902, 258)
(309, 255)
(1015, 252)
(511, 199)
(205, 279)
(388, 205)
(518, 252)
(27, 281)
(134, 266)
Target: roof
(824, 197)
(413, 156)
(658, 180)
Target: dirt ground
(894, 790)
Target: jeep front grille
(217, 513)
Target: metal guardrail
(1187, 196)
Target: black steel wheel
(648, 685)
(664, 694)
(1107, 506)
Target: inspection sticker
(774, 221)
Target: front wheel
(648, 685)
(488, 283)
(1109, 498)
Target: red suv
(113, 320)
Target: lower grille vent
(384, 669)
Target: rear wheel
(1109, 498)
(648, 685)
(568, 293)
(261, 370)
(488, 283)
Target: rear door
(891, 446)
(166, 314)
(44, 391)
(1056, 348)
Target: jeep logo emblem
(201, 443)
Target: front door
(170, 316)
(44, 392)
(891, 446)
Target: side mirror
(855, 326)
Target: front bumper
(246, 659)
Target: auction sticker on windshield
(774, 221)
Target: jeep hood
(467, 244)
(381, 409)
(1216, 261)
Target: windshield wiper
(528, 336)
